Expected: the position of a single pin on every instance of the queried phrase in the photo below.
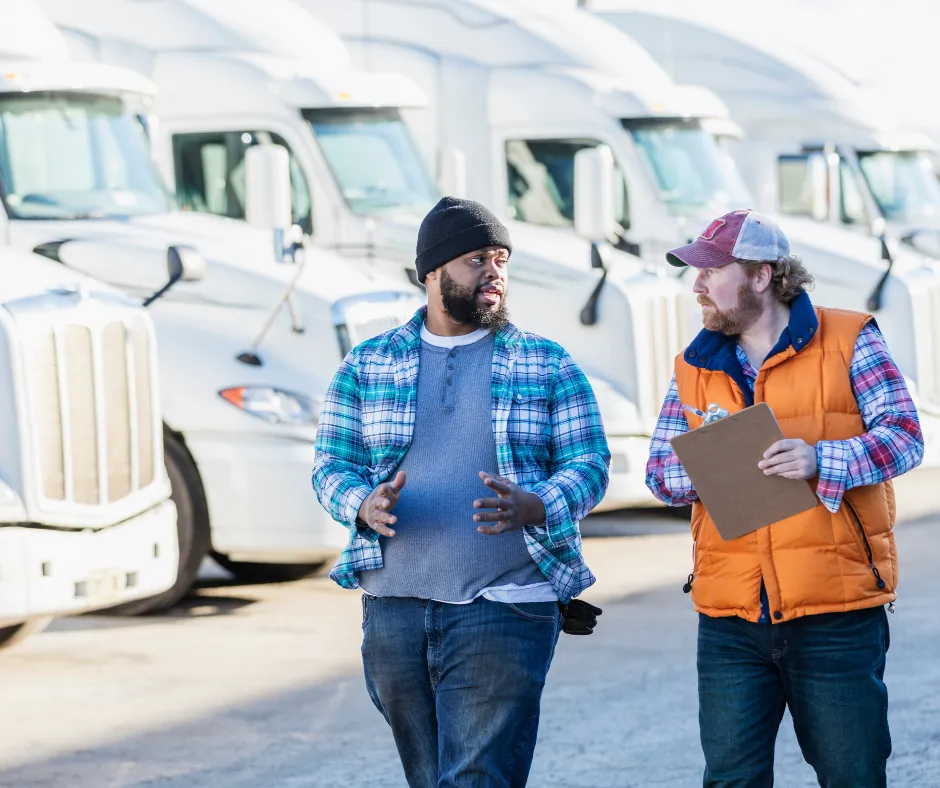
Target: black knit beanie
(453, 228)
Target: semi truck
(247, 352)
(231, 73)
(86, 517)
(523, 88)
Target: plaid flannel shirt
(547, 425)
(892, 444)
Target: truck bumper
(262, 506)
(627, 488)
(45, 572)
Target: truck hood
(224, 243)
(23, 274)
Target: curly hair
(790, 277)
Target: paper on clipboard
(721, 460)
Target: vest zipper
(865, 545)
(688, 583)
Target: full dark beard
(462, 305)
(732, 322)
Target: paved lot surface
(260, 686)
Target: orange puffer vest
(814, 562)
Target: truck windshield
(903, 184)
(373, 159)
(691, 172)
(75, 155)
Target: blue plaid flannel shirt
(547, 425)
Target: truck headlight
(274, 405)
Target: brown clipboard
(721, 459)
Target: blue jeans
(460, 685)
(828, 669)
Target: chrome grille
(665, 325)
(90, 390)
(361, 330)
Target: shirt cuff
(352, 505)
(557, 514)
(832, 469)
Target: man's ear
(764, 277)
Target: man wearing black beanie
(461, 453)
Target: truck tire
(13, 634)
(251, 572)
(192, 528)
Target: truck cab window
(73, 156)
(853, 204)
(210, 174)
(540, 177)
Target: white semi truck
(246, 353)
(86, 520)
(817, 144)
(229, 74)
(521, 88)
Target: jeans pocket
(543, 612)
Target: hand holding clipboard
(721, 459)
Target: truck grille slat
(83, 421)
(143, 385)
(91, 394)
(117, 408)
(47, 407)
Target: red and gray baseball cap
(739, 235)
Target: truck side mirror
(183, 264)
(453, 172)
(267, 187)
(594, 216)
(803, 185)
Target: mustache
(705, 301)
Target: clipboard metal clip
(714, 413)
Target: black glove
(579, 617)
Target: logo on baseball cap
(739, 235)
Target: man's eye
(476, 260)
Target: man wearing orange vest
(793, 614)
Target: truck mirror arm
(184, 264)
(589, 312)
(875, 299)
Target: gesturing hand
(790, 458)
(514, 507)
(376, 510)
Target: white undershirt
(511, 592)
(452, 342)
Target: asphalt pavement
(250, 687)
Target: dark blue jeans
(460, 685)
(827, 669)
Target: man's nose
(699, 286)
(491, 270)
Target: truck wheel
(251, 572)
(13, 634)
(192, 528)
